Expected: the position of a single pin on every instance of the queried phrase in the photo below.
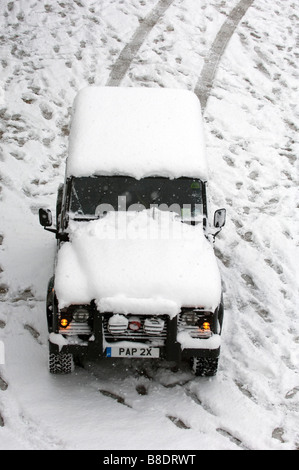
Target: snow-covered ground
(50, 50)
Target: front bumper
(91, 351)
(176, 347)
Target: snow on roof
(137, 132)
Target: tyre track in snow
(205, 83)
(179, 391)
(26, 424)
(129, 52)
(202, 90)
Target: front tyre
(204, 366)
(61, 363)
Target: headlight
(190, 318)
(197, 323)
(80, 315)
(153, 326)
(117, 324)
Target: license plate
(132, 352)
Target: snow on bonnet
(134, 273)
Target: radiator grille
(76, 328)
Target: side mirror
(219, 218)
(45, 217)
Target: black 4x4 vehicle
(135, 273)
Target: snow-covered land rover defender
(135, 272)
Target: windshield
(92, 197)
